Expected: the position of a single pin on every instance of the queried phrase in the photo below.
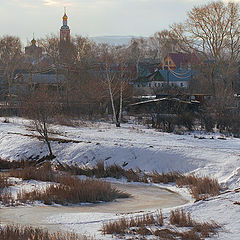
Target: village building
(175, 61)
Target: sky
(91, 17)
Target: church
(38, 68)
(34, 52)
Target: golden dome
(65, 17)
(33, 42)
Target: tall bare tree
(116, 76)
(212, 31)
(161, 44)
(41, 107)
(10, 59)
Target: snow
(141, 147)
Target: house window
(172, 84)
(149, 84)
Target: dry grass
(143, 226)
(41, 173)
(5, 196)
(200, 187)
(181, 219)
(4, 183)
(7, 164)
(206, 229)
(29, 233)
(168, 234)
(71, 190)
(164, 177)
(124, 225)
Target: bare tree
(212, 31)
(50, 46)
(42, 106)
(10, 59)
(116, 75)
(161, 44)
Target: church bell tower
(65, 30)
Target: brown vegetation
(123, 225)
(41, 173)
(10, 232)
(142, 226)
(7, 164)
(181, 219)
(70, 190)
(200, 187)
(5, 196)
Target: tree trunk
(120, 106)
(49, 147)
(112, 101)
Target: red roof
(183, 59)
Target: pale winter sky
(91, 17)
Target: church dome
(65, 17)
(33, 42)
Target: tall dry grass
(43, 172)
(7, 164)
(185, 227)
(71, 190)
(181, 219)
(200, 187)
(6, 197)
(11, 232)
(123, 225)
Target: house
(162, 78)
(175, 61)
(25, 82)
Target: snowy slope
(139, 146)
(144, 148)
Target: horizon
(91, 18)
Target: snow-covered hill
(148, 149)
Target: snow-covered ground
(147, 149)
